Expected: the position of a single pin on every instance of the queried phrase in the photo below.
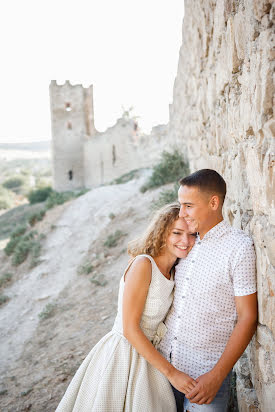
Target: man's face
(195, 207)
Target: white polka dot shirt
(203, 313)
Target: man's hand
(205, 390)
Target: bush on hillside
(27, 244)
(40, 195)
(48, 311)
(22, 244)
(14, 182)
(6, 198)
(126, 177)
(37, 216)
(113, 238)
(4, 279)
(3, 299)
(171, 168)
(14, 239)
(57, 198)
(166, 197)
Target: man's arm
(209, 383)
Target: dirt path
(39, 357)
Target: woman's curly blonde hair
(154, 238)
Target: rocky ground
(58, 311)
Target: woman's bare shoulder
(141, 267)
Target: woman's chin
(182, 254)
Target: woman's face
(179, 240)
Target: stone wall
(119, 150)
(222, 115)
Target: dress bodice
(158, 302)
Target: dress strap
(131, 261)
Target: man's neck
(214, 223)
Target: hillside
(61, 308)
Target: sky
(128, 50)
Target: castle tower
(72, 117)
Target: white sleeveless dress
(114, 377)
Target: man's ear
(215, 202)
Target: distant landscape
(23, 167)
(31, 146)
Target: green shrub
(4, 279)
(165, 197)
(126, 177)
(14, 182)
(3, 299)
(17, 216)
(14, 239)
(48, 311)
(171, 168)
(112, 240)
(85, 269)
(11, 246)
(22, 249)
(20, 246)
(81, 192)
(98, 280)
(56, 198)
(6, 198)
(40, 195)
(19, 231)
(35, 252)
(37, 216)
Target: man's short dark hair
(206, 180)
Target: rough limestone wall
(222, 115)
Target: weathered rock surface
(222, 115)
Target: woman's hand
(181, 381)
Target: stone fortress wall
(83, 157)
(120, 149)
(223, 116)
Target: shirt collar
(217, 231)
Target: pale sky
(128, 49)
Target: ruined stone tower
(72, 118)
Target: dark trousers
(179, 396)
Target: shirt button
(199, 243)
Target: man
(214, 313)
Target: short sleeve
(244, 269)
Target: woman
(124, 371)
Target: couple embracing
(187, 309)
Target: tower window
(69, 125)
(68, 107)
(70, 173)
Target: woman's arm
(136, 287)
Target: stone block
(240, 34)
(261, 7)
(232, 57)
